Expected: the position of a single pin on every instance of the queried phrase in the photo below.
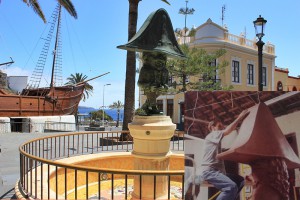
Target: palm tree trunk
(130, 68)
(118, 118)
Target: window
(264, 76)
(294, 88)
(250, 74)
(212, 73)
(181, 108)
(170, 109)
(160, 105)
(170, 79)
(279, 86)
(235, 71)
(213, 63)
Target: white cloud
(16, 71)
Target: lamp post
(103, 104)
(259, 25)
(186, 11)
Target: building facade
(241, 73)
(284, 82)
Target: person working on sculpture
(213, 169)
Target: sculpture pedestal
(151, 143)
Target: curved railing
(45, 172)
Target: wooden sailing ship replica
(48, 101)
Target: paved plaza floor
(10, 161)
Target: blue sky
(89, 43)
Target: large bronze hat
(260, 137)
(155, 35)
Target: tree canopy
(201, 64)
(131, 66)
(117, 105)
(97, 115)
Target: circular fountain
(77, 166)
(122, 163)
(151, 151)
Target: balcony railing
(241, 40)
(238, 40)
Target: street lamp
(103, 104)
(259, 25)
(186, 11)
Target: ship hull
(42, 102)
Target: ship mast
(37, 74)
(55, 48)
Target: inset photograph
(242, 145)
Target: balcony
(237, 40)
(242, 41)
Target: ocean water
(111, 112)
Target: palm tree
(117, 105)
(67, 4)
(130, 66)
(77, 78)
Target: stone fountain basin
(121, 161)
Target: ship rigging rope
(70, 43)
(3, 45)
(4, 18)
(38, 71)
(36, 44)
(83, 52)
(15, 33)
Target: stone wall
(3, 80)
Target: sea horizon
(85, 110)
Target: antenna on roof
(223, 14)
(245, 32)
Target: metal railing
(241, 40)
(235, 39)
(59, 126)
(43, 176)
(30, 127)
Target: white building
(17, 83)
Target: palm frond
(77, 78)
(166, 2)
(34, 4)
(117, 105)
(68, 5)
